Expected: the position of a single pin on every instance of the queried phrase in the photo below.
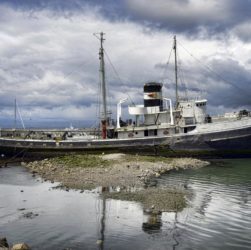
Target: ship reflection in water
(217, 216)
(153, 224)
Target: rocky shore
(90, 171)
(134, 177)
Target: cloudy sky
(49, 56)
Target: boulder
(3, 243)
(20, 246)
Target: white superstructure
(157, 117)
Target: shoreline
(108, 170)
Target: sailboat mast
(176, 71)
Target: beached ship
(157, 123)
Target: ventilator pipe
(119, 111)
(171, 109)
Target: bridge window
(146, 133)
(189, 120)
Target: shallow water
(218, 215)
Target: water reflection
(101, 240)
(102, 223)
(218, 215)
(205, 202)
(153, 223)
(175, 232)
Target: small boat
(182, 126)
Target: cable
(20, 116)
(212, 71)
(115, 71)
(181, 76)
(165, 69)
(74, 71)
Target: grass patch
(81, 160)
(146, 158)
(95, 160)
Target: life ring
(166, 132)
(130, 135)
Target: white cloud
(50, 62)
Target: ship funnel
(153, 95)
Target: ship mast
(176, 71)
(100, 36)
